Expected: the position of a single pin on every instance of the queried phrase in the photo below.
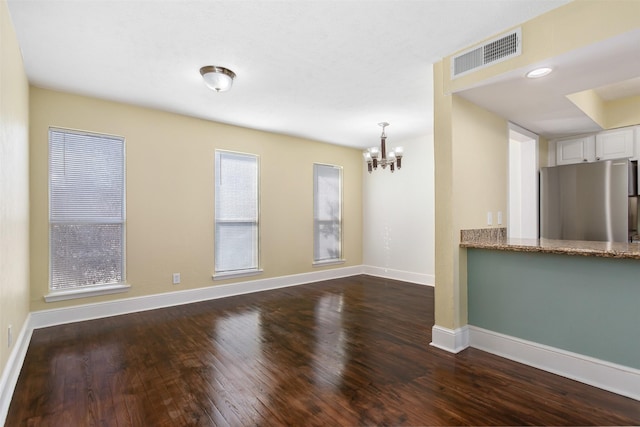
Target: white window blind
(327, 213)
(86, 209)
(236, 212)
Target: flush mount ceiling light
(219, 79)
(538, 72)
(393, 158)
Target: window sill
(329, 262)
(88, 291)
(234, 274)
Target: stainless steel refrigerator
(589, 201)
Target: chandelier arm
(383, 147)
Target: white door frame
(524, 185)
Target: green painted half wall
(585, 305)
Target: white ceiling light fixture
(393, 158)
(539, 72)
(219, 79)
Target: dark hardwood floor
(351, 351)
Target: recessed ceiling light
(538, 72)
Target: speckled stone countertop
(496, 238)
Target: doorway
(523, 183)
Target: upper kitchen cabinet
(575, 150)
(615, 144)
(606, 145)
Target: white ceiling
(611, 68)
(325, 70)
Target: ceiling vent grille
(496, 50)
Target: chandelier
(391, 159)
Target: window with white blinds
(236, 212)
(327, 213)
(86, 209)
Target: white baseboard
(11, 371)
(453, 341)
(405, 276)
(59, 316)
(598, 373)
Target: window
(236, 213)
(327, 213)
(86, 209)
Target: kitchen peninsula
(495, 238)
(570, 298)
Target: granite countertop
(496, 238)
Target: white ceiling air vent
(496, 50)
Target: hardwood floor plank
(351, 351)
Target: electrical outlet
(9, 336)
(176, 278)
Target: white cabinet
(615, 144)
(575, 150)
(610, 144)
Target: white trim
(526, 132)
(98, 310)
(11, 371)
(405, 276)
(235, 274)
(327, 262)
(599, 373)
(86, 291)
(451, 340)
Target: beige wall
(471, 144)
(14, 187)
(608, 114)
(471, 180)
(622, 112)
(590, 104)
(480, 170)
(447, 283)
(543, 152)
(170, 177)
